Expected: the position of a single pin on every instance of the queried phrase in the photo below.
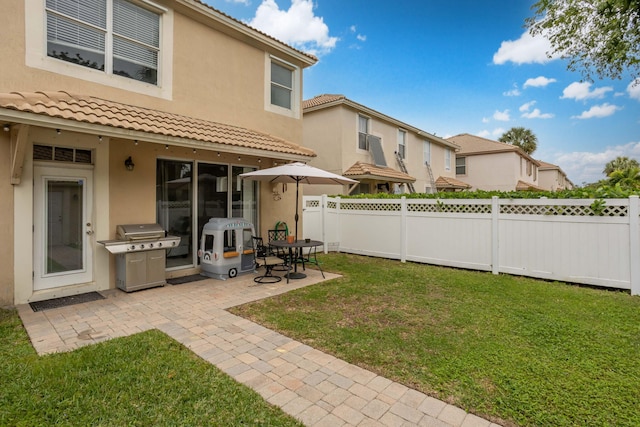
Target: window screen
(281, 85)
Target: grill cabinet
(140, 251)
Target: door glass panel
(213, 193)
(244, 196)
(174, 192)
(64, 226)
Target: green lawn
(146, 379)
(515, 350)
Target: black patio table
(297, 245)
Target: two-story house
(491, 165)
(134, 112)
(552, 178)
(381, 152)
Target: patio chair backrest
(276, 235)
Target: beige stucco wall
(496, 171)
(333, 134)
(213, 76)
(6, 223)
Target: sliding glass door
(218, 192)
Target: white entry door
(63, 226)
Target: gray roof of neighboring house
(472, 145)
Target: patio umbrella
(297, 173)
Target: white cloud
(361, 37)
(501, 116)
(526, 50)
(493, 134)
(584, 166)
(538, 82)
(527, 106)
(244, 2)
(582, 90)
(598, 111)
(486, 120)
(297, 26)
(352, 28)
(513, 92)
(634, 89)
(537, 114)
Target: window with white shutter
(114, 36)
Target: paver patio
(313, 386)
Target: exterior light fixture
(6, 128)
(218, 154)
(166, 147)
(100, 138)
(58, 131)
(135, 142)
(129, 164)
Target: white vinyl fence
(556, 239)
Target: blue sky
(456, 67)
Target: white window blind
(77, 30)
(281, 85)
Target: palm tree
(620, 163)
(521, 137)
(626, 178)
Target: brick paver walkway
(315, 387)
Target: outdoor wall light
(58, 131)
(166, 147)
(6, 128)
(129, 164)
(100, 138)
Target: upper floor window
(114, 36)
(402, 143)
(282, 90)
(281, 85)
(447, 159)
(363, 131)
(461, 165)
(426, 152)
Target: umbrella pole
(296, 217)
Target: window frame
(447, 159)
(364, 135)
(36, 52)
(296, 76)
(402, 143)
(463, 165)
(426, 152)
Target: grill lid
(139, 231)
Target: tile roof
(525, 186)
(97, 111)
(321, 100)
(369, 171)
(473, 145)
(444, 182)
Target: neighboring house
(126, 112)
(491, 165)
(382, 153)
(552, 178)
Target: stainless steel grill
(140, 251)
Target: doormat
(186, 279)
(65, 301)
